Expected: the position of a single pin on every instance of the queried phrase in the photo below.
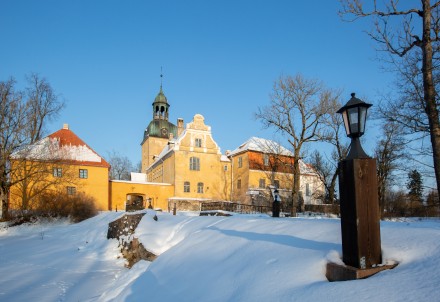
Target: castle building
(182, 166)
(159, 130)
(193, 164)
(61, 163)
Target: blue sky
(219, 59)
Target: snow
(81, 153)
(212, 258)
(262, 145)
(50, 149)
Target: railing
(235, 207)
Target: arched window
(186, 187)
(200, 187)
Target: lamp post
(360, 220)
(276, 203)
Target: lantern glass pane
(353, 117)
(346, 123)
(362, 118)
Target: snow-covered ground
(239, 258)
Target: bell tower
(159, 130)
(160, 105)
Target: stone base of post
(340, 272)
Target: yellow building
(65, 164)
(60, 162)
(193, 163)
(260, 164)
(159, 131)
(181, 166)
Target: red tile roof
(67, 138)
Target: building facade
(260, 165)
(193, 163)
(62, 163)
(182, 166)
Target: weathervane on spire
(161, 76)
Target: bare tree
(328, 168)
(404, 42)
(296, 109)
(12, 135)
(43, 105)
(327, 173)
(389, 152)
(22, 120)
(38, 168)
(276, 164)
(121, 166)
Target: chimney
(66, 126)
(179, 126)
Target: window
(186, 187)
(240, 162)
(198, 142)
(200, 187)
(308, 193)
(71, 190)
(83, 173)
(239, 184)
(266, 159)
(262, 183)
(225, 167)
(194, 163)
(276, 183)
(57, 172)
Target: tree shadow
(287, 240)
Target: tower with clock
(159, 131)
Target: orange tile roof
(67, 138)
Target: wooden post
(174, 209)
(360, 217)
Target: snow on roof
(138, 177)
(62, 145)
(262, 145)
(224, 158)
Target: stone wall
(123, 229)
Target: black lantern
(354, 114)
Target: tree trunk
(331, 189)
(4, 204)
(296, 186)
(429, 90)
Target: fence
(234, 207)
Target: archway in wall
(135, 202)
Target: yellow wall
(159, 193)
(151, 148)
(240, 174)
(174, 167)
(211, 174)
(95, 185)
